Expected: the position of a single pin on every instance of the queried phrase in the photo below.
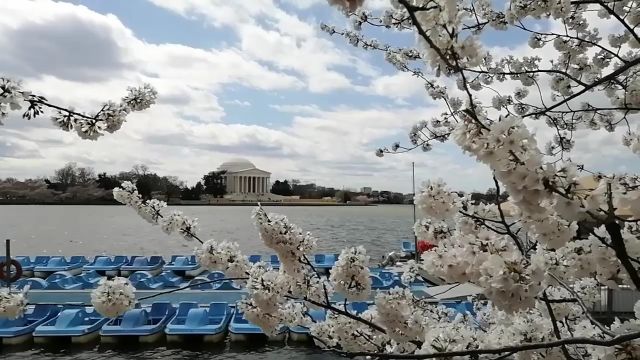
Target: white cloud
(239, 102)
(401, 85)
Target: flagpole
(413, 183)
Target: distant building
(375, 193)
(242, 177)
(366, 190)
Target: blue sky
(254, 79)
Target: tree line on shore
(77, 184)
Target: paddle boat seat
(240, 328)
(169, 279)
(74, 323)
(274, 261)
(140, 263)
(408, 247)
(149, 284)
(41, 260)
(27, 265)
(215, 275)
(65, 283)
(255, 258)
(357, 307)
(106, 265)
(184, 265)
(460, 307)
(140, 321)
(139, 275)
(385, 282)
(59, 263)
(33, 283)
(58, 275)
(226, 285)
(20, 329)
(89, 280)
(201, 283)
(301, 333)
(322, 261)
(193, 320)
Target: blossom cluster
(113, 297)
(151, 211)
(88, 126)
(12, 304)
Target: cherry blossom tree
(538, 275)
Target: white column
(264, 185)
(241, 184)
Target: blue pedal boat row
(181, 323)
(183, 265)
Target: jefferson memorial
(242, 177)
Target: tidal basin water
(94, 230)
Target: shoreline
(266, 203)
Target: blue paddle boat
(324, 261)
(255, 258)
(145, 324)
(27, 265)
(139, 275)
(357, 307)
(153, 265)
(274, 261)
(301, 333)
(106, 265)
(152, 283)
(209, 323)
(169, 279)
(81, 325)
(184, 266)
(382, 281)
(201, 283)
(240, 329)
(65, 283)
(60, 263)
(89, 279)
(214, 275)
(408, 247)
(20, 330)
(32, 283)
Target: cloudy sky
(254, 79)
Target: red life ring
(8, 277)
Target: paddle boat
(192, 321)
(32, 283)
(20, 330)
(81, 325)
(105, 265)
(89, 279)
(301, 333)
(139, 275)
(59, 263)
(324, 261)
(357, 307)
(184, 266)
(240, 329)
(255, 258)
(214, 275)
(153, 265)
(27, 265)
(384, 281)
(201, 283)
(274, 261)
(408, 247)
(144, 324)
(152, 283)
(65, 283)
(169, 279)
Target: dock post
(7, 247)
